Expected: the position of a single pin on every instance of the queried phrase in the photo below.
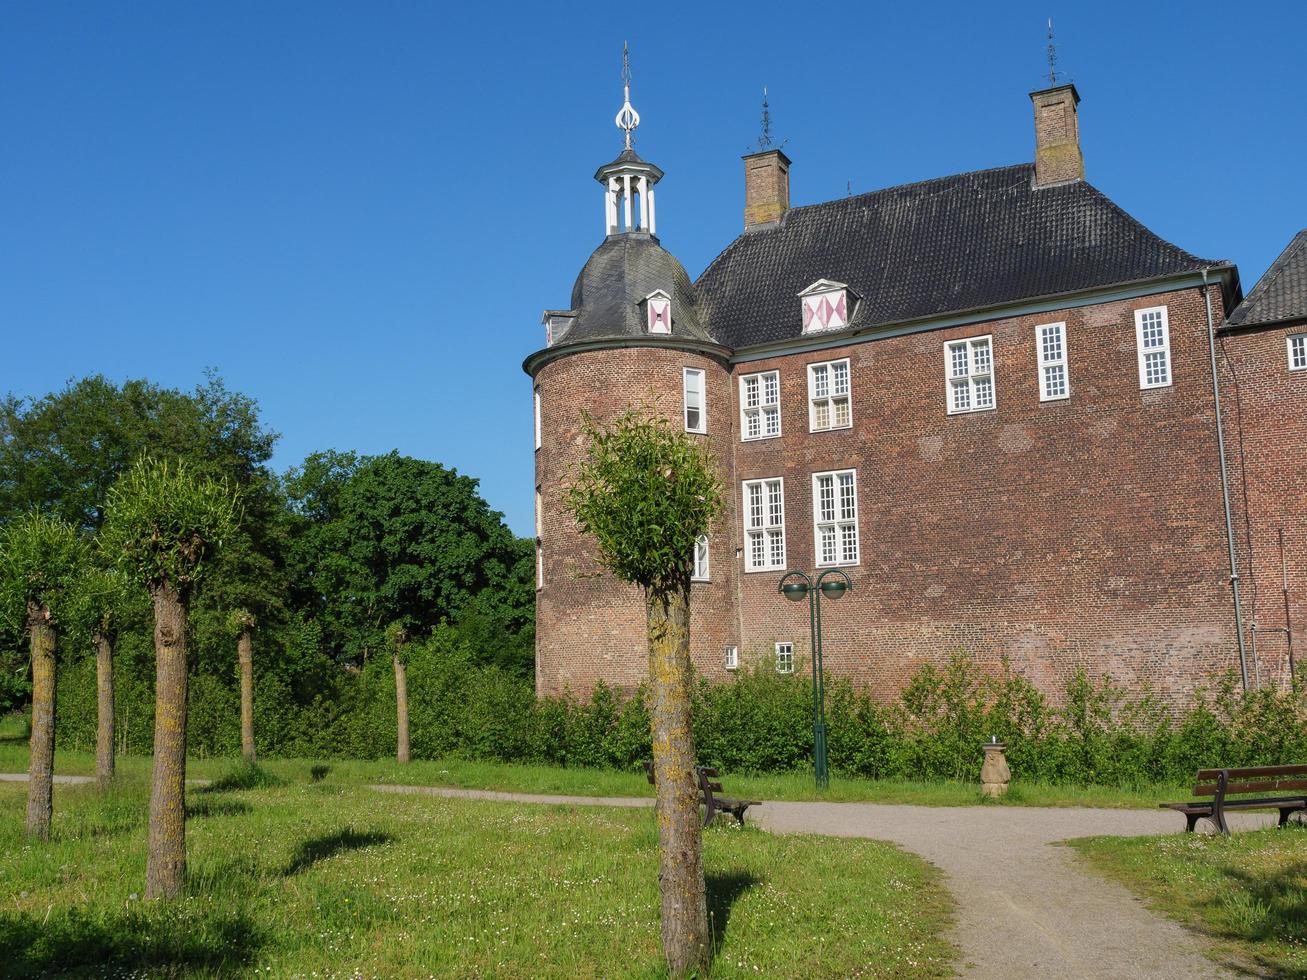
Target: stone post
(994, 774)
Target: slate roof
(943, 246)
(1279, 295)
(619, 274)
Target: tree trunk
(401, 709)
(680, 846)
(104, 704)
(244, 651)
(40, 775)
(165, 868)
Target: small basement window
(784, 658)
(732, 658)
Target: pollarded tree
(398, 637)
(165, 522)
(41, 560)
(646, 492)
(242, 623)
(104, 599)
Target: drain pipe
(1225, 487)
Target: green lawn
(605, 782)
(331, 880)
(1248, 892)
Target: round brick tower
(634, 336)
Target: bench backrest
(1256, 779)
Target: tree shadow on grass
(130, 943)
(723, 891)
(245, 775)
(316, 849)
(216, 808)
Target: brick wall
(1266, 429)
(1080, 533)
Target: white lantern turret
(628, 181)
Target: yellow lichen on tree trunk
(40, 776)
(680, 846)
(245, 654)
(104, 710)
(401, 710)
(165, 869)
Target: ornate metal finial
(1052, 55)
(627, 118)
(765, 139)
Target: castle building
(1023, 424)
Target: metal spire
(627, 118)
(765, 140)
(1052, 55)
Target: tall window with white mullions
(970, 368)
(760, 405)
(764, 524)
(700, 559)
(1153, 337)
(696, 416)
(1050, 346)
(828, 396)
(835, 517)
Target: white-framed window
(696, 409)
(540, 516)
(540, 566)
(1297, 351)
(969, 370)
(835, 517)
(537, 414)
(732, 658)
(784, 658)
(828, 396)
(764, 524)
(760, 405)
(1050, 348)
(1153, 338)
(701, 559)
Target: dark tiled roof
(957, 243)
(619, 274)
(1281, 294)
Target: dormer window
(827, 305)
(556, 324)
(658, 312)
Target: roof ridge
(910, 184)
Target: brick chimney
(766, 187)
(1057, 136)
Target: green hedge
(757, 722)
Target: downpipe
(1225, 487)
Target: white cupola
(628, 181)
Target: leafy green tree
(41, 560)
(165, 522)
(242, 623)
(646, 492)
(104, 600)
(389, 539)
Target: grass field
(606, 782)
(1248, 892)
(320, 879)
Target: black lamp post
(795, 586)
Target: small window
(1050, 346)
(828, 396)
(969, 366)
(732, 658)
(760, 405)
(764, 524)
(784, 658)
(1298, 352)
(540, 566)
(537, 413)
(696, 419)
(835, 517)
(1153, 336)
(540, 516)
(701, 559)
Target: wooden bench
(709, 789)
(1221, 784)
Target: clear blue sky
(357, 212)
